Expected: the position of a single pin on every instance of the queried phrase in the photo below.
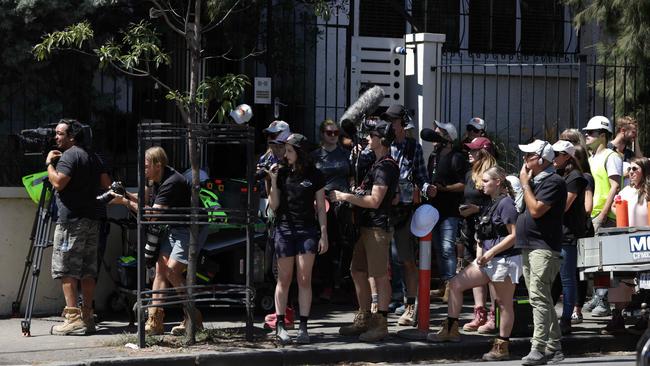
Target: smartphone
(463, 207)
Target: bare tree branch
(187, 14)
(140, 74)
(163, 11)
(210, 27)
(225, 56)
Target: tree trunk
(193, 116)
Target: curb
(392, 350)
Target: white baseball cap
(541, 148)
(477, 123)
(241, 114)
(599, 123)
(564, 146)
(423, 220)
(451, 130)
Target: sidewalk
(107, 346)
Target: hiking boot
(155, 322)
(445, 296)
(439, 292)
(179, 330)
(490, 325)
(445, 334)
(499, 351)
(377, 329)
(72, 325)
(554, 357)
(303, 336)
(408, 318)
(535, 357)
(480, 318)
(270, 320)
(614, 325)
(576, 318)
(88, 317)
(565, 326)
(601, 309)
(359, 325)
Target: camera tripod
(40, 239)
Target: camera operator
(370, 254)
(169, 189)
(76, 175)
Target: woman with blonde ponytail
(497, 264)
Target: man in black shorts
(75, 175)
(370, 257)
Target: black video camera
(115, 188)
(37, 140)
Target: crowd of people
(491, 228)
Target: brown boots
(359, 325)
(179, 330)
(72, 325)
(442, 293)
(369, 327)
(88, 317)
(155, 323)
(447, 333)
(499, 351)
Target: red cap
(481, 143)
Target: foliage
(626, 25)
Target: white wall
(17, 213)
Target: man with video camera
(76, 174)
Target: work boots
(88, 317)
(446, 333)
(490, 325)
(155, 323)
(377, 329)
(499, 351)
(359, 325)
(72, 325)
(179, 330)
(480, 318)
(408, 318)
(439, 292)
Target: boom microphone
(430, 135)
(367, 103)
(349, 128)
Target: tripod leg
(42, 241)
(15, 306)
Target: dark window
(438, 16)
(381, 18)
(542, 27)
(492, 26)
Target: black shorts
(291, 241)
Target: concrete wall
(17, 213)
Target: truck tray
(615, 248)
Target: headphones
(540, 153)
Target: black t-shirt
(384, 172)
(471, 195)
(335, 166)
(78, 198)
(575, 218)
(546, 231)
(447, 169)
(297, 195)
(172, 191)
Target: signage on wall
(262, 90)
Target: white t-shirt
(637, 212)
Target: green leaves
(73, 36)
(224, 90)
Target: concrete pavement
(107, 347)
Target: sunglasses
(331, 133)
(471, 128)
(592, 133)
(272, 136)
(634, 168)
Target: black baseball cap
(394, 111)
(297, 140)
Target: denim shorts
(176, 242)
(501, 267)
(290, 242)
(75, 249)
